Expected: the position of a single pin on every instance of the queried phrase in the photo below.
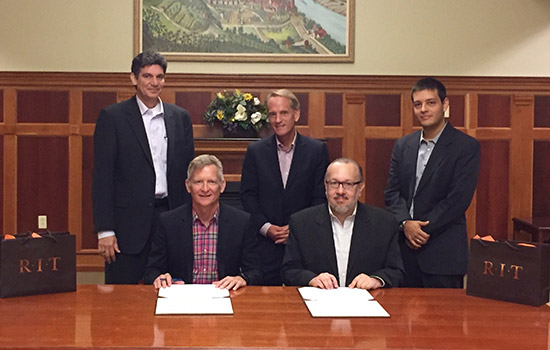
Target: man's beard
(342, 208)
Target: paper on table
(345, 308)
(172, 306)
(193, 291)
(193, 299)
(341, 302)
(313, 293)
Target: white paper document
(341, 302)
(193, 299)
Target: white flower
(256, 101)
(256, 117)
(240, 115)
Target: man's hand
(363, 281)
(324, 281)
(279, 234)
(416, 237)
(108, 246)
(165, 280)
(230, 282)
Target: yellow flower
(238, 92)
(247, 96)
(219, 115)
(220, 95)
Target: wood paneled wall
(47, 124)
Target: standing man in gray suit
(433, 176)
(142, 147)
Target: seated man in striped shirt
(205, 241)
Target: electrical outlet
(42, 222)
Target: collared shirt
(205, 242)
(342, 235)
(153, 120)
(342, 242)
(285, 156)
(424, 152)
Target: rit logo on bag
(501, 269)
(41, 264)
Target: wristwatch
(402, 225)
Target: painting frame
(347, 57)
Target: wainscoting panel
(47, 124)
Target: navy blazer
(123, 189)
(443, 196)
(172, 248)
(262, 193)
(263, 196)
(374, 249)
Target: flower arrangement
(236, 109)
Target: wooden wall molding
(107, 81)
(507, 133)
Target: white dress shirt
(153, 121)
(342, 242)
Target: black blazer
(374, 249)
(172, 248)
(262, 193)
(123, 189)
(443, 195)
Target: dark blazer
(374, 249)
(123, 189)
(443, 195)
(172, 249)
(262, 193)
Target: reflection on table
(269, 317)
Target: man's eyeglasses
(347, 185)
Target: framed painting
(246, 30)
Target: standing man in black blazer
(281, 175)
(433, 176)
(142, 147)
(345, 243)
(205, 241)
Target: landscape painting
(246, 30)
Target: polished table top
(109, 317)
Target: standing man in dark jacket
(433, 176)
(142, 147)
(281, 175)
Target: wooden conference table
(122, 317)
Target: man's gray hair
(346, 161)
(203, 160)
(294, 103)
